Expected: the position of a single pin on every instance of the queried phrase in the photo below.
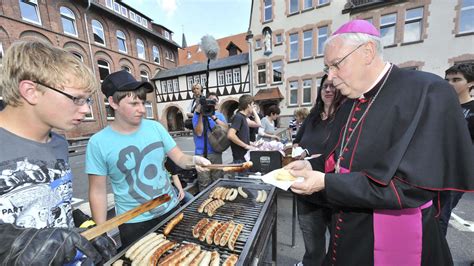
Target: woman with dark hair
(312, 136)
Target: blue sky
(219, 18)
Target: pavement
(460, 232)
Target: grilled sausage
(231, 260)
(160, 251)
(214, 208)
(199, 226)
(148, 248)
(176, 256)
(140, 249)
(225, 237)
(264, 196)
(234, 195)
(171, 224)
(220, 232)
(215, 258)
(198, 258)
(233, 237)
(192, 254)
(206, 260)
(212, 231)
(259, 196)
(242, 193)
(138, 244)
(203, 205)
(206, 230)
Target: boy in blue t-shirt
(131, 151)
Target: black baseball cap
(123, 81)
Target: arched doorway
(174, 119)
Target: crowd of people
(368, 178)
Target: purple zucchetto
(358, 26)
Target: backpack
(218, 138)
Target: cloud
(168, 6)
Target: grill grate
(244, 211)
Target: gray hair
(358, 39)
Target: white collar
(380, 76)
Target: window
(236, 72)
(171, 56)
(262, 74)
(307, 43)
(203, 80)
(145, 23)
(277, 72)
(141, 49)
(90, 115)
(294, 6)
(322, 2)
(117, 7)
(294, 53)
(228, 76)
(258, 44)
(104, 69)
(413, 25)
(307, 84)
(190, 82)
(126, 68)
(175, 85)
(196, 79)
(170, 85)
(370, 20)
(30, 11)
(156, 55)
(109, 4)
(109, 110)
(139, 19)
(267, 10)
(98, 30)
(149, 109)
(163, 87)
(308, 4)
(293, 93)
(121, 41)
(220, 78)
(279, 39)
(322, 37)
(68, 20)
(123, 11)
(78, 55)
(466, 20)
(167, 34)
(144, 76)
(133, 16)
(387, 29)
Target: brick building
(287, 38)
(107, 35)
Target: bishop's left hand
(313, 182)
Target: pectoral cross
(338, 166)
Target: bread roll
(284, 175)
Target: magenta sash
(397, 235)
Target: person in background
(238, 133)
(300, 115)
(254, 122)
(313, 215)
(206, 178)
(379, 179)
(461, 77)
(131, 151)
(43, 87)
(197, 92)
(175, 172)
(267, 131)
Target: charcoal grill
(259, 222)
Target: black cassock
(412, 142)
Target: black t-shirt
(239, 123)
(468, 111)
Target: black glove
(49, 246)
(103, 243)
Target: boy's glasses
(76, 100)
